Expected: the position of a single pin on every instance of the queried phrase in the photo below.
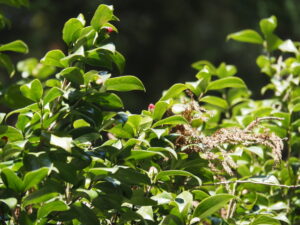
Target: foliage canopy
(204, 153)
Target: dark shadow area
(160, 39)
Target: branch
(254, 182)
(257, 120)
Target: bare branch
(257, 120)
(254, 182)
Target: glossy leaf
(11, 180)
(265, 220)
(173, 91)
(288, 46)
(33, 178)
(52, 58)
(32, 90)
(213, 100)
(227, 82)
(184, 202)
(62, 142)
(249, 36)
(10, 202)
(73, 74)
(103, 14)
(172, 120)
(211, 204)
(11, 133)
(51, 95)
(159, 110)
(54, 206)
(268, 25)
(15, 46)
(71, 30)
(41, 195)
(124, 83)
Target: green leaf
(2, 116)
(173, 91)
(39, 196)
(78, 55)
(227, 82)
(119, 61)
(73, 74)
(288, 46)
(226, 70)
(52, 58)
(172, 120)
(62, 142)
(71, 30)
(10, 202)
(146, 212)
(184, 202)
(85, 215)
(103, 14)
(52, 94)
(124, 83)
(268, 25)
(6, 62)
(163, 198)
(159, 110)
(32, 90)
(80, 123)
(11, 180)
(265, 220)
(54, 206)
(11, 133)
(15, 46)
(166, 149)
(256, 150)
(249, 36)
(211, 204)
(168, 173)
(213, 100)
(199, 65)
(142, 154)
(106, 100)
(33, 178)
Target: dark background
(161, 38)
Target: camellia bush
(204, 153)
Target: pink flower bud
(109, 30)
(151, 107)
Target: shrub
(204, 153)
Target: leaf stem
(254, 182)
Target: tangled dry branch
(191, 140)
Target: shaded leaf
(168, 173)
